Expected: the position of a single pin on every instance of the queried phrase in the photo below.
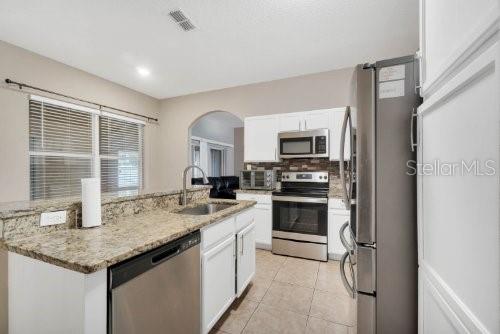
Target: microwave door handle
(345, 192)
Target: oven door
(300, 218)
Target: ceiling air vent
(183, 21)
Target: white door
(263, 226)
(337, 218)
(218, 286)
(458, 215)
(261, 138)
(336, 120)
(290, 122)
(245, 258)
(316, 119)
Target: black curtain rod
(22, 85)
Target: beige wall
(21, 65)
(309, 92)
(24, 66)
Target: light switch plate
(53, 218)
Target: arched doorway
(216, 144)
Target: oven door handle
(299, 199)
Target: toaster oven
(258, 179)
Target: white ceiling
(236, 41)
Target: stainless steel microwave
(258, 179)
(304, 144)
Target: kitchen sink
(205, 209)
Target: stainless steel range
(300, 215)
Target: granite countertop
(24, 208)
(254, 191)
(90, 250)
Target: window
(120, 149)
(69, 142)
(196, 157)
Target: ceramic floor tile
(270, 320)
(289, 297)
(334, 307)
(235, 319)
(320, 326)
(298, 271)
(258, 288)
(329, 278)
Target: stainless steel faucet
(184, 190)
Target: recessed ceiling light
(144, 72)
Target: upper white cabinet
(335, 126)
(317, 119)
(290, 122)
(261, 132)
(261, 138)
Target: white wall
(459, 251)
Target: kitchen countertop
(90, 250)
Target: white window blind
(64, 144)
(120, 148)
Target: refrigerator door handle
(413, 144)
(345, 243)
(350, 289)
(345, 193)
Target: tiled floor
(290, 295)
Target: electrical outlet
(53, 218)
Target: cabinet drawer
(244, 218)
(213, 234)
(259, 198)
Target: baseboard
(260, 245)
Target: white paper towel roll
(91, 202)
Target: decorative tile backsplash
(302, 165)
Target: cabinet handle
(242, 243)
(305, 124)
(413, 145)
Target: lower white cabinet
(337, 216)
(227, 264)
(263, 218)
(245, 258)
(263, 226)
(218, 268)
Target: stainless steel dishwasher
(157, 292)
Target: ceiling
(236, 42)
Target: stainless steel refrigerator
(379, 267)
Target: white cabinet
(336, 218)
(218, 270)
(263, 218)
(290, 122)
(245, 258)
(336, 120)
(317, 119)
(227, 264)
(261, 138)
